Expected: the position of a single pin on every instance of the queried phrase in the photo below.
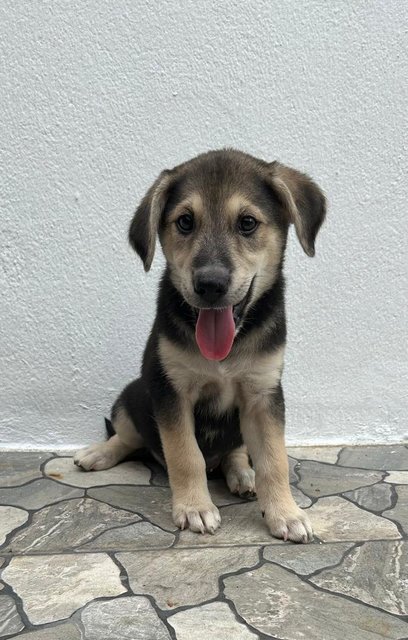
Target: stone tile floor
(96, 556)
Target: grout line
(377, 512)
(79, 548)
(344, 596)
(231, 603)
(278, 544)
(161, 613)
(339, 456)
(346, 553)
(47, 504)
(8, 590)
(10, 536)
(339, 466)
(306, 580)
(123, 574)
(25, 484)
(142, 516)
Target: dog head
(222, 219)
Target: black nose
(211, 283)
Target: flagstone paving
(89, 556)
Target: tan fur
(192, 203)
(192, 504)
(191, 374)
(239, 475)
(238, 203)
(264, 436)
(102, 455)
(125, 429)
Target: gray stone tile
(375, 498)
(301, 500)
(319, 454)
(10, 621)
(317, 480)
(383, 457)
(11, 518)
(66, 631)
(154, 503)
(293, 468)
(127, 618)
(278, 603)
(240, 524)
(179, 577)
(376, 573)
(221, 495)
(67, 525)
(141, 535)
(19, 467)
(335, 519)
(214, 620)
(53, 587)
(38, 494)
(400, 511)
(306, 559)
(397, 477)
(2, 561)
(63, 470)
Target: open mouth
(216, 328)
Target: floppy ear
(303, 201)
(145, 224)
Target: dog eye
(185, 223)
(247, 225)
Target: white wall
(98, 96)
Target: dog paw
(241, 482)
(201, 517)
(95, 458)
(289, 523)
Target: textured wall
(97, 97)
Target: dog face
(222, 219)
(219, 240)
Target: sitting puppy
(210, 389)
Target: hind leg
(239, 475)
(105, 455)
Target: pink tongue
(215, 332)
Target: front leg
(262, 426)
(192, 504)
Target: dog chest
(225, 382)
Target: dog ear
(145, 223)
(303, 201)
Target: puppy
(210, 389)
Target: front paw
(288, 522)
(201, 516)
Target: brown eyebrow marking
(192, 204)
(238, 203)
